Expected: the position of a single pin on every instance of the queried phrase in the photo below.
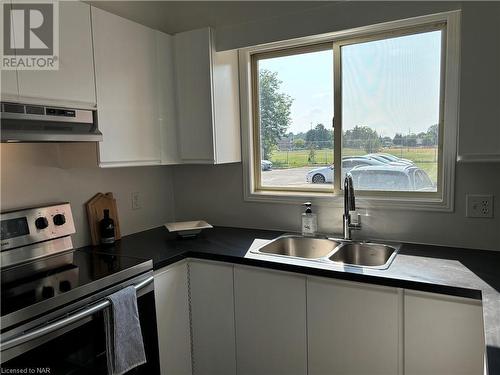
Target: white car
(324, 175)
(266, 165)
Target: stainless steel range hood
(20, 122)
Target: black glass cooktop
(75, 273)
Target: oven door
(74, 342)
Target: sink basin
(364, 254)
(300, 247)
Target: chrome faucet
(349, 205)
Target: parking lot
(286, 177)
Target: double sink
(331, 250)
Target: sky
(391, 85)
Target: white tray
(187, 228)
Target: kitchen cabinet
(8, 79)
(207, 99)
(73, 83)
(443, 335)
(172, 315)
(352, 328)
(127, 93)
(9, 85)
(166, 99)
(212, 318)
(270, 314)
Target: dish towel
(124, 344)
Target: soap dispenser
(309, 221)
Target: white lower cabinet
(270, 311)
(351, 328)
(172, 315)
(212, 318)
(443, 335)
(223, 319)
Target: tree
(398, 139)
(274, 111)
(362, 137)
(372, 145)
(320, 137)
(299, 143)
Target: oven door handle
(61, 323)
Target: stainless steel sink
(300, 247)
(364, 254)
(331, 250)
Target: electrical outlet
(136, 200)
(479, 205)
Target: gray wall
(42, 173)
(216, 193)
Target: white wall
(216, 193)
(33, 174)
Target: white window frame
(443, 200)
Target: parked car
(389, 158)
(391, 177)
(324, 175)
(266, 165)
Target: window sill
(437, 204)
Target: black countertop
(454, 271)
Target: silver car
(392, 178)
(266, 165)
(388, 158)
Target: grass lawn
(425, 157)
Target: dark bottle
(107, 229)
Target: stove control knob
(59, 219)
(48, 292)
(64, 286)
(41, 223)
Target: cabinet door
(125, 62)
(9, 85)
(74, 81)
(166, 99)
(193, 71)
(352, 328)
(212, 318)
(270, 313)
(443, 335)
(8, 79)
(172, 314)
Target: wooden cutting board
(95, 213)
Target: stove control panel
(28, 226)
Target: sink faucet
(349, 205)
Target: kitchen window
(379, 102)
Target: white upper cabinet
(166, 99)
(9, 85)
(8, 79)
(352, 328)
(207, 99)
(74, 82)
(127, 92)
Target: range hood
(21, 122)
